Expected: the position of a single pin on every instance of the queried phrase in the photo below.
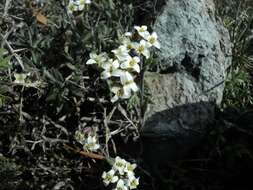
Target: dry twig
(86, 154)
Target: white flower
(119, 93)
(82, 3)
(97, 59)
(133, 182)
(142, 48)
(119, 165)
(72, 7)
(128, 83)
(91, 144)
(111, 68)
(129, 169)
(121, 52)
(128, 34)
(80, 137)
(131, 63)
(121, 185)
(152, 40)
(20, 78)
(142, 31)
(128, 44)
(109, 177)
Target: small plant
(4, 60)
(120, 70)
(238, 18)
(238, 91)
(122, 172)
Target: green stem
(142, 65)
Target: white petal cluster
(122, 174)
(89, 142)
(77, 5)
(121, 70)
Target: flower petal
(115, 64)
(136, 67)
(103, 175)
(114, 98)
(111, 172)
(137, 28)
(115, 89)
(126, 95)
(115, 179)
(125, 65)
(136, 59)
(105, 75)
(146, 53)
(91, 61)
(126, 77)
(133, 86)
(145, 34)
(117, 73)
(128, 34)
(157, 45)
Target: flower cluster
(121, 70)
(77, 5)
(122, 174)
(89, 142)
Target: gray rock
(173, 132)
(195, 54)
(196, 44)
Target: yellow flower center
(119, 164)
(133, 183)
(90, 145)
(129, 82)
(111, 69)
(130, 168)
(120, 93)
(140, 49)
(152, 40)
(79, 136)
(108, 177)
(129, 46)
(71, 7)
(142, 29)
(82, 2)
(132, 62)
